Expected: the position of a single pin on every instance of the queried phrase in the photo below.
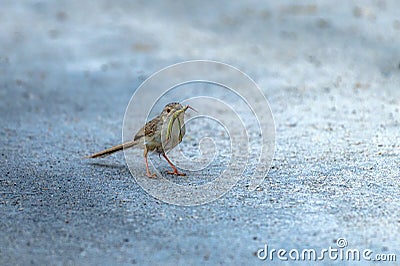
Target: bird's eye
(168, 110)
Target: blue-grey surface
(331, 72)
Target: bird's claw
(150, 175)
(176, 173)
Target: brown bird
(159, 135)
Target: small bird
(159, 135)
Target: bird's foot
(150, 175)
(176, 173)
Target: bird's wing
(148, 129)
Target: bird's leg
(148, 174)
(175, 172)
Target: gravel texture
(330, 71)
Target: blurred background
(330, 70)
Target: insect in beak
(172, 120)
(188, 106)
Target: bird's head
(174, 107)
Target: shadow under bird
(159, 135)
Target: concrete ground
(330, 71)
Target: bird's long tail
(116, 148)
